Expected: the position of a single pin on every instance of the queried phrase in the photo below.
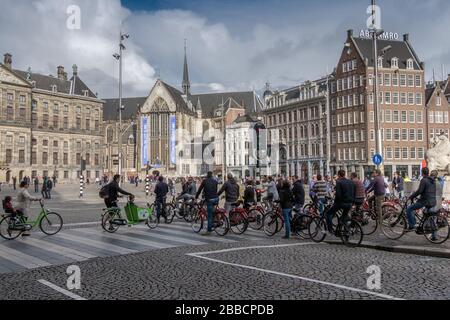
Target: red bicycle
(221, 223)
(242, 218)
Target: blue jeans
(159, 204)
(321, 203)
(335, 208)
(410, 212)
(287, 221)
(210, 209)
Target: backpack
(49, 184)
(104, 192)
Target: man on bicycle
(344, 199)
(427, 193)
(209, 188)
(272, 192)
(112, 191)
(189, 190)
(232, 191)
(378, 186)
(161, 191)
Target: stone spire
(186, 83)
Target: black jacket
(114, 190)
(398, 184)
(209, 188)
(426, 191)
(286, 199)
(249, 195)
(231, 189)
(161, 190)
(298, 191)
(345, 192)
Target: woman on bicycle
(287, 203)
(24, 200)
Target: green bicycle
(12, 226)
(112, 218)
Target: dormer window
(410, 64)
(380, 62)
(54, 88)
(394, 63)
(86, 93)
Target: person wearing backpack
(111, 191)
(44, 189)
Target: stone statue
(438, 156)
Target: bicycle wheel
(152, 221)
(300, 226)
(108, 221)
(197, 222)
(317, 229)
(7, 231)
(436, 229)
(238, 222)
(394, 224)
(369, 222)
(51, 223)
(169, 212)
(255, 219)
(351, 233)
(221, 224)
(189, 213)
(270, 224)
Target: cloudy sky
(232, 44)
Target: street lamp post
(119, 57)
(328, 112)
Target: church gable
(159, 100)
(8, 76)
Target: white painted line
(95, 243)
(22, 259)
(255, 247)
(118, 236)
(64, 251)
(200, 256)
(61, 290)
(155, 234)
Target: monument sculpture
(438, 158)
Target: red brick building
(437, 98)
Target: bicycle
(221, 223)
(12, 226)
(112, 220)
(273, 222)
(366, 217)
(433, 225)
(350, 232)
(168, 209)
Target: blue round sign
(377, 159)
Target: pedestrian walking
(44, 190)
(14, 179)
(36, 184)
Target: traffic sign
(377, 159)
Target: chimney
(8, 60)
(406, 37)
(61, 74)
(350, 33)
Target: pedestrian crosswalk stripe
(64, 251)
(125, 238)
(22, 259)
(163, 237)
(95, 243)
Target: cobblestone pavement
(285, 270)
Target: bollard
(81, 186)
(147, 186)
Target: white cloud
(285, 49)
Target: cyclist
(427, 193)
(231, 189)
(161, 191)
(298, 191)
(360, 191)
(344, 199)
(111, 191)
(378, 186)
(320, 190)
(23, 202)
(209, 188)
(272, 192)
(249, 194)
(189, 190)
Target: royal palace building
(48, 125)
